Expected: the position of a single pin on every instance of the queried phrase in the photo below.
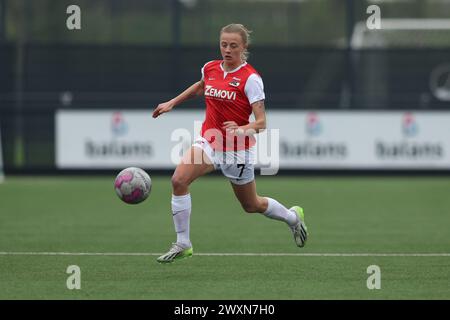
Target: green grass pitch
(344, 215)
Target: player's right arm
(193, 91)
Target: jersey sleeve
(203, 69)
(203, 72)
(254, 88)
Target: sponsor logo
(117, 146)
(234, 83)
(119, 126)
(121, 149)
(218, 93)
(313, 150)
(409, 149)
(410, 128)
(313, 124)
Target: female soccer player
(233, 90)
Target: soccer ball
(133, 185)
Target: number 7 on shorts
(242, 166)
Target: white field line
(228, 254)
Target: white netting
(402, 33)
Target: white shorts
(238, 166)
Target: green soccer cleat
(176, 252)
(299, 230)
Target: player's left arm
(254, 90)
(259, 111)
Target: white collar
(234, 70)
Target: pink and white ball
(133, 185)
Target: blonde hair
(243, 32)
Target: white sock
(277, 211)
(181, 211)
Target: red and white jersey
(228, 97)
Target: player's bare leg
(194, 164)
(249, 199)
(251, 202)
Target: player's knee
(179, 182)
